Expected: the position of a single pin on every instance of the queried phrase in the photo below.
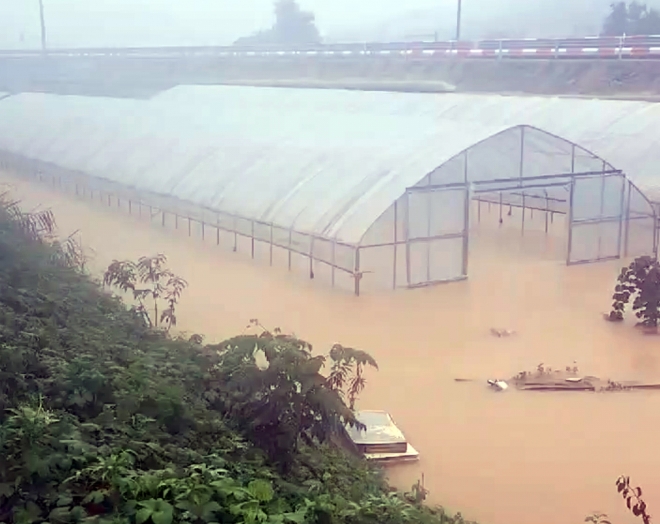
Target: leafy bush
(640, 281)
(105, 420)
(634, 503)
(148, 279)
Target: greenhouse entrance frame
(597, 205)
(423, 243)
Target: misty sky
(88, 23)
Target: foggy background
(106, 23)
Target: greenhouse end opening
(362, 191)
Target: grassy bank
(105, 420)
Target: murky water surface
(509, 458)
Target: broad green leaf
(163, 516)
(95, 496)
(297, 517)
(261, 490)
(210, 508)
(60, 515)
(143, 515)
(64, 500)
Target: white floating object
(499, 385)
(381, 441)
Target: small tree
(633, 498)
(148, 280)
(41, 226)
(634, 18)
(347, 372)
(286, 400)
(634, 503)
(639, 281)
(292, 26)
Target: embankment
(139, 77)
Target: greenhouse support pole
(569, 247)
(235, 236)
(252, 235)
(522, 229)
(396, 247)
(466, 230)
(290, 242)
(406, 233)
(601, 210)
(522, 153)
(429, 218)
(572, 158)
(626, 239)
(621, 204)
(311, 259)
(334, 263)
(356, 272)
(466, 216)
(271, 244)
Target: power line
(43, 25)
(458, 21)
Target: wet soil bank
(142, 77)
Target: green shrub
(104, 419)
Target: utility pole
(43, 25)
(458, 21)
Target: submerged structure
(351, 187)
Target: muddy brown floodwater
(500, 458)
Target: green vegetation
(638, 282)
(292, 26)
(633, 499)
(632, 18)
(106, 419)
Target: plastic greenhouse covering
(328, 163)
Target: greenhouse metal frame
(597, 231)
(376, 198)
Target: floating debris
(502, 332)
(498, 385)
(569, 379)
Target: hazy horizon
(78, 23)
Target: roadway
(590, 48)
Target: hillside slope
(105, 420)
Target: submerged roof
(327, 162)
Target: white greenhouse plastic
(332, 175)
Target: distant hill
(503, 19)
